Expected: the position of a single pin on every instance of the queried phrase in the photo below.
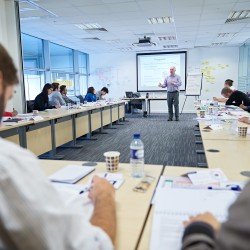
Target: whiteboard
(193, 87)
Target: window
(61, 58)
(32, 52)
(33, 82)
(82, 62)
(65, 79)
(63, 65)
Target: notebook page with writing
(173, 206)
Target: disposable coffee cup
(112, 160)
(35, 112)
(242, 131)
(202, 113)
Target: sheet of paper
(116, 179)
(208, 176)
(173, 206)
(71, 173)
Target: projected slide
(154, 68)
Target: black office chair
(81, 98)
(30, 105)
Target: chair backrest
(129, 94)
(81, 98)
(30, 105)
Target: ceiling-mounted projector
(144, 42)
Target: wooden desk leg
(73, 144)
(52, 154)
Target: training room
(125, 124)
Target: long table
(62, 126)
(132, 207)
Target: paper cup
(35, 112)
(202, 113)
(112, 160)
(242, 131)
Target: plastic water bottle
(137, 157)
(78, 103)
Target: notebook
(71, 174)
(175, 205)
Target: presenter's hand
(160, 85)
(206, 218)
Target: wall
(118, 71)
(9, 37)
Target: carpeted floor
(168, 143)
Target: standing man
(172, 82)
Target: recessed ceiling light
(219, 44)
(238, 15)
(170, 46)
(89, 26)
(160, 20)
(226, 34)
(126, 49)
(166, 38)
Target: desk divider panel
(39, 138)
(115, 113)
(106, 116)
(63, 130)
(121, 111)
(95, 119)
(82, 125)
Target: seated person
(10, 114)
(55, 98)
(205, 232)
(101, 93)
(63, 91)
(228, 83)
(244, 119)
(236, 97)
(33, 214)
(42, 100)
(90, 96)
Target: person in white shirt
(228, 83)
(32, 214)
(55, 98)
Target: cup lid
(111, 154)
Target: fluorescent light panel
(166, 38)
(89, 26)
(160, 20)
(219, 44)
(226, 35)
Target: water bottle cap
(137, 136)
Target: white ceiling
(196, 22)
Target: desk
(232, 174)
(61, 126)
(147, 101)
(132, 207)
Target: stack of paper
(207, 177)
(173, 206)
(71, 174)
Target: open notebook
(173, 206)
(71, 174)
